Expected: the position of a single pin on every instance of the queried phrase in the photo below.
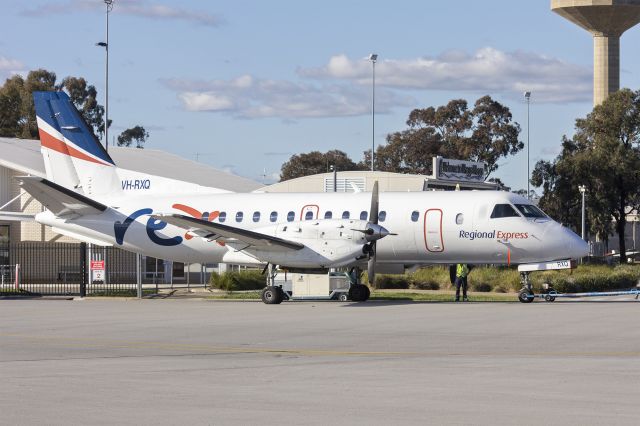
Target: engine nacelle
(329, 243)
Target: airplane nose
(576, 246)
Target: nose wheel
(526, 293)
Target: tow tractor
(526, 294)
(334, 285)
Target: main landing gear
(359, 292)
(272, 295)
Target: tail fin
(73, 156)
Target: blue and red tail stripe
(63, 129)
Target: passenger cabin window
(308, 215)
(345, 215)
(222, 217)
(328, 215)
(382, 216)
(256, 216)
(503, 210)
(529, 210)
(291, 216)
(415, 215)
(459, 219)
(363, 215)
(273, 216)
(239, 216)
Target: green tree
(17, 112)
(603, 155)
(316, 162)
(485, 133)
(135, 134)
(12, 119)
(84, 98)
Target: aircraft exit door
(433, 230)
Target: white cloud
(141, 8)
(9, 67)
(250, 97)
(488, 70)
(194, 101)
(342, 87)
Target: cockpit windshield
(503, 210)
(529, 210)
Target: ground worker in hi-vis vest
(462, 270)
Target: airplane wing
(217, 231)
(59, 200)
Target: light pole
(582, 190)
(373, 58)
(527, 96)
(105, 44)
(334, 169)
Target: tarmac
(195, 361)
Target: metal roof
(24, 156)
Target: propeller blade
(371, 265)
(373, 212)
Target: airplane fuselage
(431, 227)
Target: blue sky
(245, 84)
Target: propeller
(373, 233)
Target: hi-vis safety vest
(462, 270)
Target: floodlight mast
(527, 96)
(105, 44)
(373, 58)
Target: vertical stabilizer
(73, 156)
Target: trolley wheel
(272, 295)
(549, 298)
(343, 297)
(525, 296)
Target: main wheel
(525, 296)
(272, 295)
(359, 293)
(343, 297)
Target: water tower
(606, 20)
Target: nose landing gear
(525, 295)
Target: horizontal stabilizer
(215, 231)
(61, 201)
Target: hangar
(19, 157)
(447, 175)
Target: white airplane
(89, 198)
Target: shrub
(431, 278)
(589, 278)
(392, 282)
(482, 287)
(424, 285)
(238, 281)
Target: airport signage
(459, 170)
(97, 270)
